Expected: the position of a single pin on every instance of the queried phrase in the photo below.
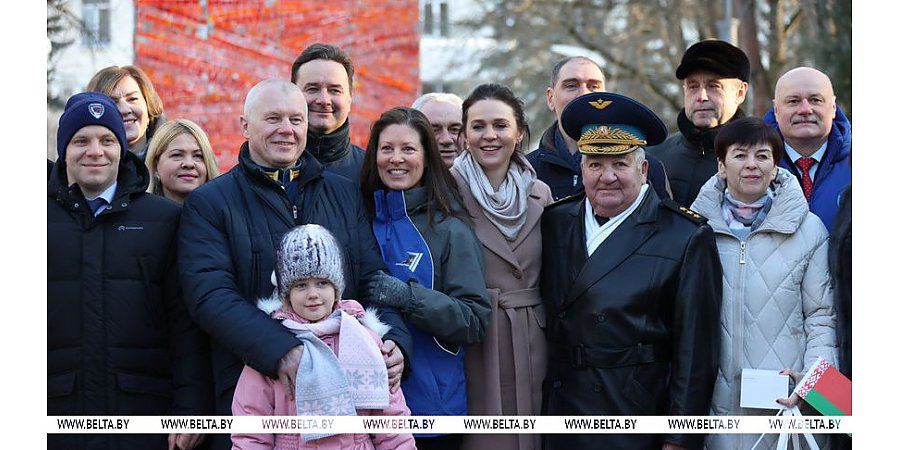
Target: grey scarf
(506, 207)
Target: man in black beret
(632, 294)
(716, 76)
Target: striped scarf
(742, 218)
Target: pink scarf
(337, 385)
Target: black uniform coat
(633, 330)
(119, 339)
(230, 230)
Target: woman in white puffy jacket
(777, 310)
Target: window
(428, 26)
(445, 20)
(436, 18)
(96, 23)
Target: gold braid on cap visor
(622, 141)
(607, 150)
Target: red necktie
(806, 182)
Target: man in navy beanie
(119, 340)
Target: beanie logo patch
(96, 110)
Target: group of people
(616, 270)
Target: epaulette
(566, 200)
(688, 213)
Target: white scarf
(594, 234)
(506, 207)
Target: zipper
(743, 251)
(575, 180)
(294, 207)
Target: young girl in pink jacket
(341, 369)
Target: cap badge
(600, 104)
(609, 140)
(96, 110)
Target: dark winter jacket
(840, 258)
(448, 310)
(230, 230)
(335, 152)
(119, 339)
(689, 158)
(565, 180)
(833, 172)
(633, 329)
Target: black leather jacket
(634, 328)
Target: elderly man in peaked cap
(633, 293)
(716, 76)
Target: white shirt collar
(794, 155)
(594, 234)
(107, 194)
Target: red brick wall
(203, 61)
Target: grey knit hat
(309, 251)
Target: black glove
(383, 289)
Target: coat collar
(328, 148)
(702, 138)
(488, 234)
(270, 191)
(132, 181)
(310, 167)
(617, 248)
(789, 206)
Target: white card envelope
(760, 388)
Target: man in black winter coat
(633, 292)
(716, 76)
(232, 226)
(119, 339)
(325, 75)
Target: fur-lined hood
(368, 317)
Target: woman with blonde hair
(137, 100)
(180, 159)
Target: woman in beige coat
(505, 200)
